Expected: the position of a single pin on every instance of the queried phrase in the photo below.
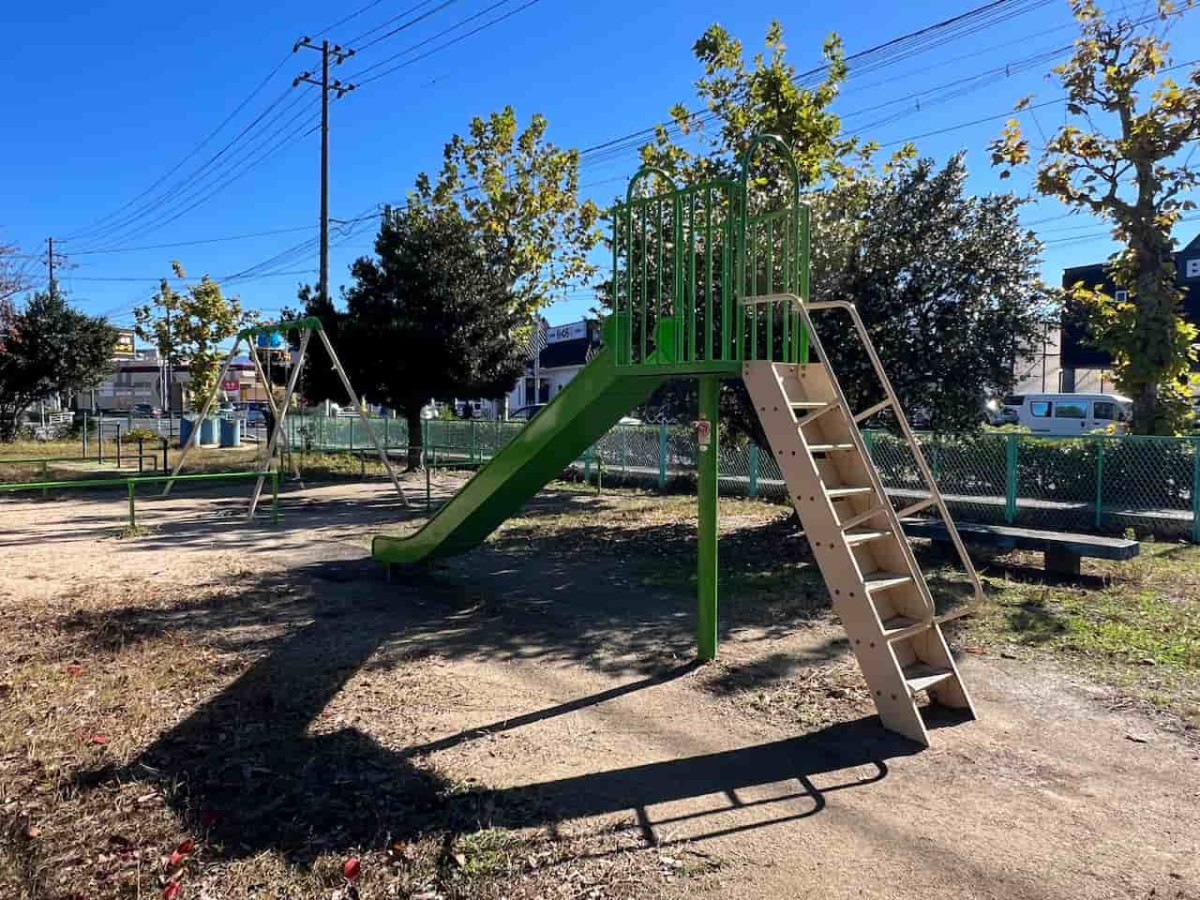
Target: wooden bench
(1062, 550)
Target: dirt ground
(525, 721)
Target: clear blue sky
(104, 99)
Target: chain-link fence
(1102, 483)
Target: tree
(947, 285)
(49, 348)
(14, 274)
(1117, 158)
(192, 325)
(766, 97)
(432, 316)
(519, 195)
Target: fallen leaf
(460, 860)
(74, 670)
(171, 891)
(99, 739)
(352, 869)
(33, 832)
(183, 851)
(1138, 738)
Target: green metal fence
(1102, 483)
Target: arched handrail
(786, 152)
(642, 173)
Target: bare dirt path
(542, 685)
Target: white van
(1068, 414)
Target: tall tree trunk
(416, 436)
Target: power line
(194, 243)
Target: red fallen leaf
(171, 891)
(183, 851)
(99, 739)
(75, 669)
(352, 869)
(33, 832)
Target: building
(1085, 368)
(568, 349)
(140, 381)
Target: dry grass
(258, 716)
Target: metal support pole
(428, 490)
(194, 438)
(141, 458)
(1196, 491)
(85, 432)
(45, 470)
(345, 379)
(662, 456)
(132, 514)
(706, 573)
(265, 464)
(275, 412)
(118, 445)
(165, 443)
(1099, 482)
(100, 441)
(275, 496)
(1010, 479)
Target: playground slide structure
(576, 418)
(710, 281)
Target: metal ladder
(877, 587)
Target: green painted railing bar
(1196, 491)
(707, 524)
(1010, 479)
(662, 455)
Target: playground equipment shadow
(246, 769)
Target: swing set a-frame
(306, 327)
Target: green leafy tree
(1118, 157)
(519, 194)
(192, 325)
(742, 99)
(946, 282)
(430, 317)
(48, 348)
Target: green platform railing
(684, 258)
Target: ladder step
(901, 627)
(828, 448)
(862, 517)
(881, 581)
(862, 535)
(922, 676)
(808, 404)
(916, 508)
(838, 493)
(871, 410)
(813, 416)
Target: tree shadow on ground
(258, 767)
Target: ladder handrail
(909, 436)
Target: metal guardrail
(132, 483)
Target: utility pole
(338, 55)
(50, 265)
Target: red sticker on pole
(704, 433)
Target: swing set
(306, 327)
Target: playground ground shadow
(253, 769)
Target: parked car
(1068, 414)
(147, 411)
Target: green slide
(583, 411)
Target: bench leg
(1062, 562)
